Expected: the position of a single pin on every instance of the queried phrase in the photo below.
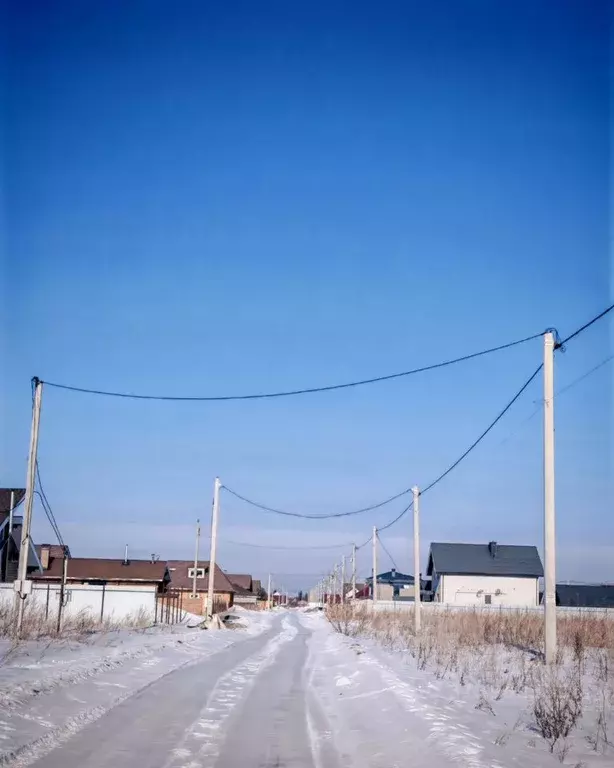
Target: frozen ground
(287, 692)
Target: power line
(398, 495)
(396, 519)
(47, 507)
(394, 565)
(304, 516)
(293, 392)
(485, 432)
(561, 391)
(285, 547)
(584, 327)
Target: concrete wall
(472, 590)
(109, 603)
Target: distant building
(402, 585)
(485, 574)
(182, 578)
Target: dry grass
(36, 626)
(502, 651)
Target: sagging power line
(294, 392)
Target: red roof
(180, 579)
(100, 569)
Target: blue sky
(221, 198)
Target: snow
(281, 689)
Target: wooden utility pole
(268, 594)
(353, 571)
(374, 565)
(417, 603)
(549, 510)
(194, 593)
(214, 520)
(23, 587)
(343, 580)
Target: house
(136, 574)
(182, 578)
(105, 589)
(10, 537)
(244, 589)
(485, 574)
(585, 595)
(403, 585)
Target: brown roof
(243, 580)
(99, 569)
(178, 570)
(5, 497)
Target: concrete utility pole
(374, 565)
(268, 594)
(214, 518)
(417, 603)
(549, 519)
(23, 587)
(196, 558)
(343, 580)
(353, 571)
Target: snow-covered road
(293, 694)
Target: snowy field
(285, 689)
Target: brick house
(181, 578)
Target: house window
(200, 573)
(488, 599)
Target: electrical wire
(561, 391)
(304, 516)
(484, 433)
(293, 392)
(284, 547)
(396, 519)
(47, 507)
(383, 546)
(582, 328)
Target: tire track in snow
(202, 741)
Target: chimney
(492, 548)
(393, 572)
(45, 553)
(126, 561)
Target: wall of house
(471, 590)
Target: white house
(485, 574)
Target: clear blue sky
(206, 198)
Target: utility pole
(196, 558)
(353, 571)
(268, 594)
(214, 517)
(549, 519)
(23, 587)
(343, 580)
(374, 565)
(417, 584)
